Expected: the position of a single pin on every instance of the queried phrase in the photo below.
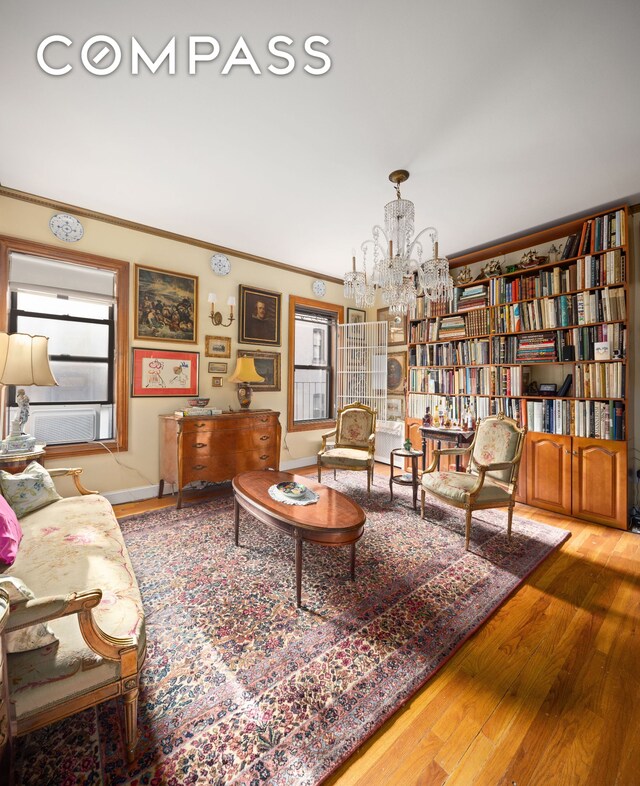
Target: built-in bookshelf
(543, 338)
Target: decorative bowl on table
(291, 489)
(197, 402)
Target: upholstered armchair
(491, 477)
(354, 442)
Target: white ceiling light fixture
(398, 269)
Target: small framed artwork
(216, 382)
(395, 408)
(601, 350)
(259, 320)
(267, 365)
(158, 372)
(217, 368)
(397, 335)
(217, 347)
(396, 366)
(356, 316)
(166, 305)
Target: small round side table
(17, 462)
(402, 479)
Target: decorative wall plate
(66, 227)
(319, 288)
(220, 264)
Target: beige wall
(109, 473)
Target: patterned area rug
(241, 688)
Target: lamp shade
(24, 360)
(245, 371)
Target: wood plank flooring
(546, 692)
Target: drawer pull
(266, 456)
(199, 466)
(200, 445)
(265, 436)
(199, 425)
(264, 420)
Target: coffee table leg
(353, 562)
(236, 513)
(298, 571)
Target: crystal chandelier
(397, 266)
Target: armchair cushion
(456, 486)
(355, 426)
(496, 442)
(338, 457)
(29, 490)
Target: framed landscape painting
(158, 372)
(267, 365)
(166, 305)
(217, 347)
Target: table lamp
(245, 373)
(24, 360)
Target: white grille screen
(362, 365)
(57, 427)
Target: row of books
(599, 380)
(597, 234)
(472, 298)
(590, 271)
(460, 381)
(511, 407)
(461, 353)
(599, 342)
(599, 419)
(506, 381)
(536, 347)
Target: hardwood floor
(546, 692)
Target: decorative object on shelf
(398, 268)
(547, 388)
(427, 420)
(464, 275)
(24, 360)
(511, 268)
(492, 268)
(407, 444)
(216, 316)
(267, 365)
(355, 316)
(197, 402)
(319, 288)
(217, 347)
(159, 372)
(554, 252)
(166, 305)
(245, 373)
(220, 265)
(216, 382)
(66, 227)
(217, 368)
(531, 259)
(396, 327)
(259, 321)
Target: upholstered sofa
(74, 560)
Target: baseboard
(308, 461)
(131, 495)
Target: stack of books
(536, 348)
(451, 327)
(196, 412)
(472, 298)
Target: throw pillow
(10, 533)
(25, 639)
(29, 490)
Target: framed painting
(259, 320)
(267, 365)
(217, 347)
(356, 316)
(395, 408)
(396, 370)
(397, 335)
(216, 382)
(158, 372)
(166, 305)
(217, 368)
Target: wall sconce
(216, 316)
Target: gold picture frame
(217, 347)
(166, 305)
(267, 365)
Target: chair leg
(334, 474)
(509, 521)
(467, 529)
(130, 702)
(421, 503)
(368, 480)
(319, 472)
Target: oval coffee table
(334, 520)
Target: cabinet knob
(200, 445)
(266, 456)
(575, 452)
(265, 436)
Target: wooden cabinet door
(599, 483)
(548, 472)
(412, 432)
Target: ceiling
(509, 114)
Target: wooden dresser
(217, 447)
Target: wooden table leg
(236, 513)
(391, 478)
(414, 480)
(298, 571)
(353, 562)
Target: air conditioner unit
(389, 435)
(65, 424)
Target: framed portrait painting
(355, 316)
(397, 330)
(158, 372)
(217, 347)
(259, 320)
(396, 370)
(166, 305)
(267, 365)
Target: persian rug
(240, 688)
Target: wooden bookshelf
(563, 315)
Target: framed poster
(397, 327)
(217, 347)
(267, 365)
(356, 316)
(259, 321)
(158, 372)
(396, 369)
(166, 305)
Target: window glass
(76, 382)
(76, 339)
(44, 303)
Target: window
(81, 303)
(312, 350)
